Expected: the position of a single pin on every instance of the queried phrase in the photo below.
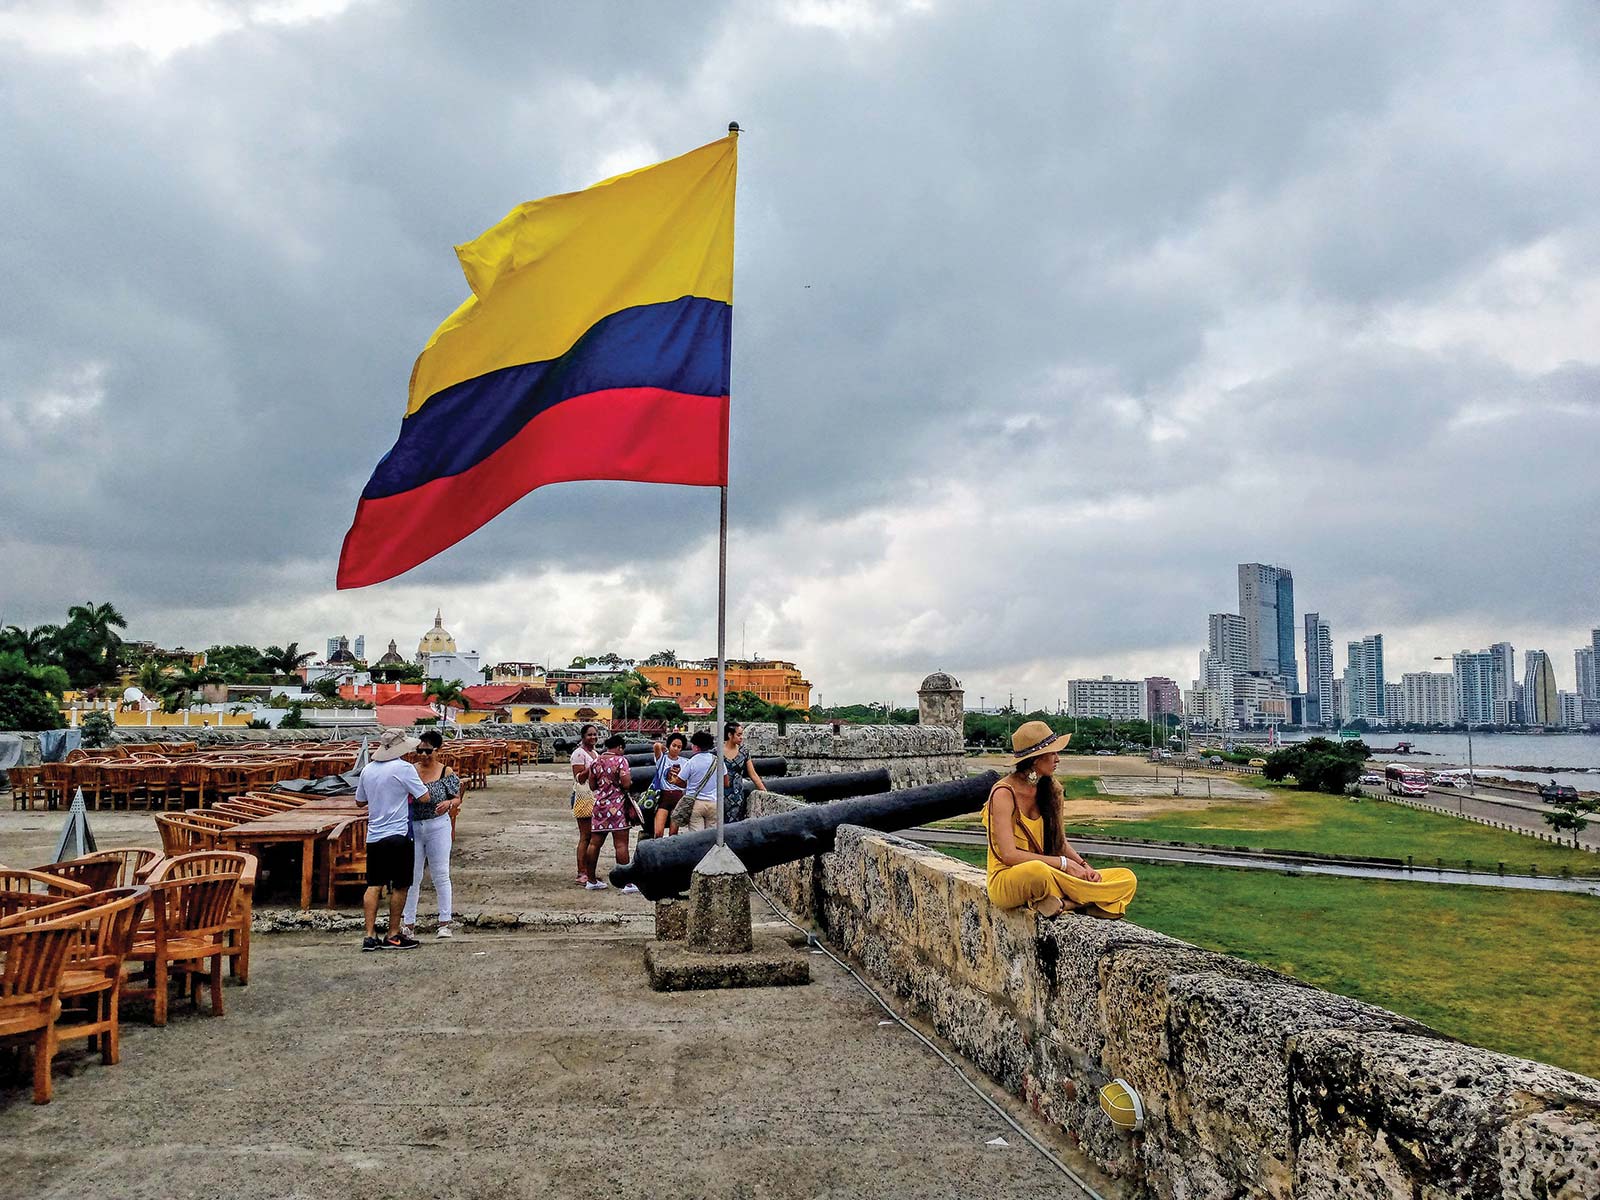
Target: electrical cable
(813, 940)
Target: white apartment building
(1107, 698)
(1428, 698)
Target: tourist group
(682, 793)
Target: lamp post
(1472, 774)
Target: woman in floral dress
(609, 781)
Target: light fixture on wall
(1120, 1102)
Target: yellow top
(1026, 832)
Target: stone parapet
(1254, 1084)
(913, 754)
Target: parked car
(1554, 792)
(1105, 753)
(1258, 762)
(1216, 760)
(1447, 781)
(1375, 780)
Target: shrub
(96, 727)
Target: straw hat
(394, 744)
(1034, 738)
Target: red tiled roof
(492, 695)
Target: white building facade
(1107, 698)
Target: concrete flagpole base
(718, 947)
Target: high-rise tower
(1320, 709)
(1266, 604)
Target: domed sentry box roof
(940, 681)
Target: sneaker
(409, 931)
(371, 943)
(444, 932)
(596, 885)
(630, 890)
(400, 941)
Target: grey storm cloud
(1045, 316)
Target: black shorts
(389, 861)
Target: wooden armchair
(20, 890)
(190, 780)
(136, 862)
(211, 862)
(97, 872)
(32, 959)
(106, 923)
(181, 833)
(56, 781)
(190, 920)
(347, 856)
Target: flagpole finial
(733, 128)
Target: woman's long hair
(1049, 807)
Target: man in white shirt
(386, 788)
(698, 808)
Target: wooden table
(305, 825)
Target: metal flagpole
(722, 656)
(719, 762)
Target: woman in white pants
(430, 831)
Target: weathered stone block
(681, 967)
(719, 904)
(672, 920)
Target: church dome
(940, 681)
(437, 640)
(391, 657)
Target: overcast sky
(1046, 316)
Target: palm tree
(186, 683)
(784, 713)
(444, 694)
(327, 688)
(37, 645)
(285, 660)
(151, 677)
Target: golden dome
(437, 640)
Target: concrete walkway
(526, 1063)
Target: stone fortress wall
(1254, 1084)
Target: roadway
(1506, 806)
(1255, 860)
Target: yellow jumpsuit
(1031, 882)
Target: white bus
(1402, 779)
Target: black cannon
(662, 867)
(643, 773)
(824, 789)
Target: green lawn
(1288, 819)
(1513, 971)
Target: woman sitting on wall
(1030, 860)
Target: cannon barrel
(824, 789)
(662, 867)
(644, 772)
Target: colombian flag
(595, 345)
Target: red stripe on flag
(643, 435)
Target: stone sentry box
(1254, 1084)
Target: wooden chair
(210, 862)
(190, 920)
(347, 856)
(180, 834)
(93, 978)
(32, 959)
(190, 781)
(96, 872)
(56, 781)
(21, 890)
(90, 776)
(135, 863)
(26, 786)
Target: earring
(1033, 777)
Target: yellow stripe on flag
(553, 267)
